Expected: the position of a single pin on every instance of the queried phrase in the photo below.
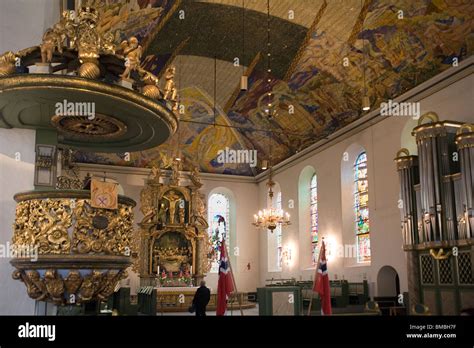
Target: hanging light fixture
(244, 84)
(178, 154)
(365, 98)
(271, 217)
(365, 103)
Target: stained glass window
(313, 210)
(278, 233)
(361, 204)
(218, 213)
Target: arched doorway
(388, 283)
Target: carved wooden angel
(52, 40)
(133, 54)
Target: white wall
(15, 176)
(22, 23)
(381, 141)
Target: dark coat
(201, 297)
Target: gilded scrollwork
(64, 226)
(44, 224)
(206, 263)
(146, 198)
(115, 239)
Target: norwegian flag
(224, 285)
(321, 285)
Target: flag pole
(314, 280)
(233, 279)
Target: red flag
(224, 285)
(321, 285)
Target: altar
(174, 244)
(178, 299)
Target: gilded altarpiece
(174, 243)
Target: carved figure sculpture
(173, 198)
(133, 54)
(52, 40)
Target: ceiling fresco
(314, 92)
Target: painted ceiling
(317, 59)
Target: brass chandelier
(271, 217)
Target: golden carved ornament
(465, 136)
(465, 128)
(403, 151)
(73, 281)
(43, 224)
(115, 239)
(151, 91)
(52, 287)
(195, 178)
(133, 55)
(89, 69)
(7, 63)
(101, 126)
(194, 228)
(52, 41)
(35, 286)
(81, 32)
(432, 116)
(171, 93)
(440, 254)
(64, 226)
(206, 262)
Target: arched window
(218, 217)
(361, 200)
(313, 211)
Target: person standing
(201, 299)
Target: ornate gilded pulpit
(80, 89)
